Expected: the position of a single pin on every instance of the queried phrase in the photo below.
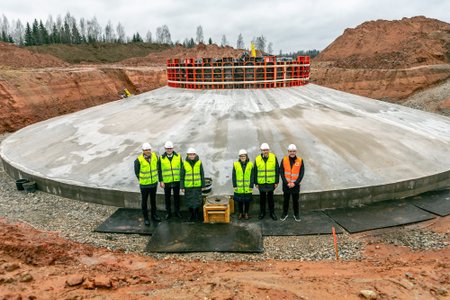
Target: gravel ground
(76, 221)
(429, 99)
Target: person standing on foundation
(169, 167)
(243, 181)
(146, 170)
(266, 180)
(292, 169)
(192, 180)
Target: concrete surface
(356, 149)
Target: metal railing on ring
(229, 73)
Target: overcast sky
(289, 24)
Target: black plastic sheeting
(170, 237)
(436, 202)
(127, 220)
(378, 215)
(311, 223)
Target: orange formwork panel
(226, 73)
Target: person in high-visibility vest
(292, 170)
(169, 168)
(192, 180)
(146, 170)
(243, 181)
(266, 180)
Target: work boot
(261, 216)
(155, 218)
(198, 215)
(192, 217)
(273, 216)
(177, 214)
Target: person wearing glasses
(292, 169)
(243, 180)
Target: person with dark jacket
(146, 170)
(192, 180)
(266, 180)
(169, 167)
(292, 169)
(243, 180)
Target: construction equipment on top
(253, 50)
(125, 93)
(238, 73)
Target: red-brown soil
(398, 44)
(41, 265)
(15, 57)
(387, 60)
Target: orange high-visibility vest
(291, 175)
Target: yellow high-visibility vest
(266, 170)
(192, 176)
(170, 169)
(243, 178)
(148, 173)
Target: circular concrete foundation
(356, 150)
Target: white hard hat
(264, 146)
(168, 144)
(292, 147)
(191, 151)
(146, 146)
(242, 152)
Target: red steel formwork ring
(228, 73)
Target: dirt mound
(182, 52)
(385, 44)
(15, 57)
(32, 95)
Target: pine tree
(29, 41)
(43, 33)
(210, 41)
(66, 37)
(137, 38)
(76, 37)
(37, 39)
(55, 37)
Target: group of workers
(174, 174)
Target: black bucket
(30, 187)
(208, 185)
(20, 182)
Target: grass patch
(97, 53)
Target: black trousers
(262, 202)
(243, 207)
(168, 188)
(295, 198)
(145, 192)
